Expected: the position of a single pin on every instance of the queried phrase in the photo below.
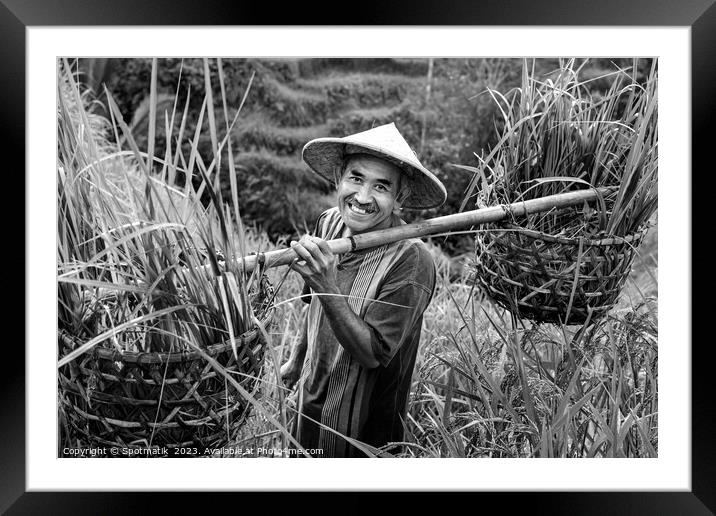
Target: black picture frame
(17, 15)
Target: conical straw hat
(325, 156)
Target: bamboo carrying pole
(419, 229)
(433, 226)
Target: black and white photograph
(384, 257)
(463, 251)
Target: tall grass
(134, 248)
(490, 385)
(143, 265)
(559, 136)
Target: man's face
(367, 193)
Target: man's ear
(403, 194)
(337, 173)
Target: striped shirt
(389, 287)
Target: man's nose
(363, 194)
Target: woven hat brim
(325, 157)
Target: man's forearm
(351, 331)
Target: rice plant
(144, 244)
(144, 269)
(488, 384)
(559, 136)
(493, 384)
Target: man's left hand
(317, 264)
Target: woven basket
(167, 401)
(553, 279)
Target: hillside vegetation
(441, 108)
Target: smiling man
(362, 328)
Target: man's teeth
(361, 211)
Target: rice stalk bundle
(568, 266)
(148, 288)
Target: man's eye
(381, 188)
(354, 179)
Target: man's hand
(290, 373)
(317, 264)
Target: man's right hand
(316, 263)
(290, 373)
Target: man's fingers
(302, 253)
(323, 246)
(311, 247)
(301, 268)
(320, 244)
(319, 258)
(318, 250)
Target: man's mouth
(365, 209)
